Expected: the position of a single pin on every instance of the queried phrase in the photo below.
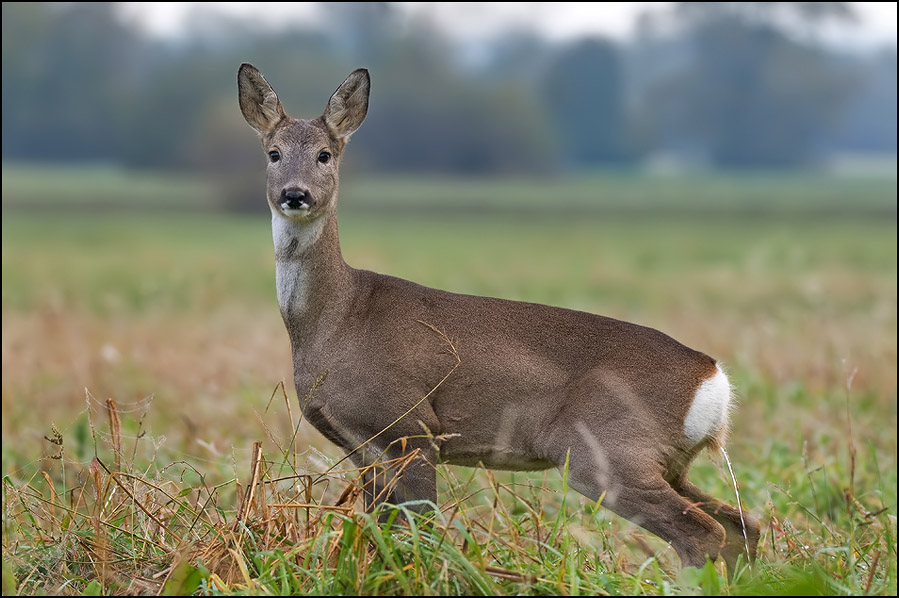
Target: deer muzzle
(296, 199)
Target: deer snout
(295, 198)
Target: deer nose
(295, 198)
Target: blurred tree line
(729, 84)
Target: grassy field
(790, 281)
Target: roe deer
(529, 385)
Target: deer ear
(258, 101)
(348, 106)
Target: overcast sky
(478, 19)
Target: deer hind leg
(729, 518)
(636, 490)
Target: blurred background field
(758, 225)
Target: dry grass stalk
(255, 465)
(115, 431)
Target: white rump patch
(709, 411)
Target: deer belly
(498, 440)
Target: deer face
(301, 177)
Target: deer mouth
(295, 207)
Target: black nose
(296, 198)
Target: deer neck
(312, 279)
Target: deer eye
(274, 155)
(324, 157)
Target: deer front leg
(398, 458)
(401, 476)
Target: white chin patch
(709, 410)
(294, 211)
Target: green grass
(173, 315)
